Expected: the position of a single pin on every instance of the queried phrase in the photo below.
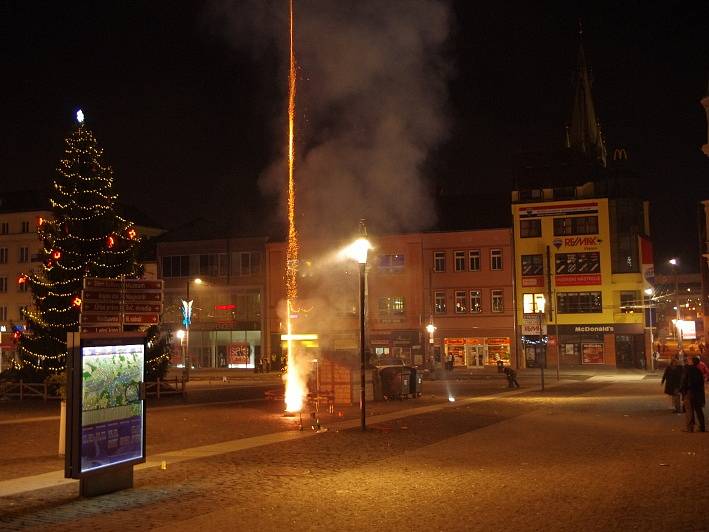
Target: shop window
(630, 301)
(474, 260)
(459, 257)
(573, 263)
(476, 301)
(530, 228)
(440, 302)
(496, 259)
(460, 302)
(176, 266)
(439, 261)
(3, 255)
(391, 263)
(532, 265)
(579, 225)
(497, 300)
(533, 303)
(579, 302)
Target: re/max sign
(581, 241)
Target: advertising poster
(111, 406)
(592, 353)
(239, 354)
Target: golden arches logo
(620, 154)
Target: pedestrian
(511, 378)
(500, 365)
(671, 379)
(704, 369)
(692, 388)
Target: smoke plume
(371, 103)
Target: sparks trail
(295, 389)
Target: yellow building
(582, 255)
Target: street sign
(140, 319)
(143, 307)
(95, 282)
(100, 329)
(101, 317)
(101, 295)
(108, 306)
(143, 296)
(141, 284)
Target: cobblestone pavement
(580, 456)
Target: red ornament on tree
(110, 241)
(56, 254)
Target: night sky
(190, 117)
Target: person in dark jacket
(671, 379)
(692, 388)
(511, 378)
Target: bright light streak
(80, 116)
(357, 251)
(451, 399)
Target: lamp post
(358, 251)
(678, 332)
(649, 292)
(430, 329)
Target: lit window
(497, 300)
(460, 302)
(533, 303)
(440, 302)
(476, 301)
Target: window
(573, 263)
(392, 263)
(4, 228)
(25, 227)
(391, 306)
(495, 259)
(439, 302)
(176, 266)
(580, 225)
(630, 302)
(3, 255)
(532, 265)
(213, 265)
(530, 228)
(24, 255)
(459, 261)
(21, 311)
(474, 260)
(461, 302)
(3, 313)
(249, 263)
(439, 261)
(3, 284)
(579, 302)
(476, 301)
(497, 300)
(533, 303)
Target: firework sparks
(295, 389)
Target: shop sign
(594, 328)
(574, 241)
(533, 281)
(533, 325)
(454, 341)
(474, 341)
(581, 279)
(592, 353)
(497, 341)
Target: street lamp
(358, 251)
(649, 292)
(430, 329)
(678, 333)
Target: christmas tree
(157, 356)
(85, 238)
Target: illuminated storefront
(477, 352)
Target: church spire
(585, 131)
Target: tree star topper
(80, 116)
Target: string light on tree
(84, 237)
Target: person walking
(671, 379)
(692, 388)
(511, 378)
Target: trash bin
(395, 380)
(416, 382)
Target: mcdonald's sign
(620, 154)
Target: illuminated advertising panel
(112, 425)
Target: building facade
(459, 282)
(224, 277)
(579, 277)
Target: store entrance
(534, 356)
(629, 351)
(475, 356)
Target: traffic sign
(101, 329)
(100, 306)
(143, 307)
(135, 318)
